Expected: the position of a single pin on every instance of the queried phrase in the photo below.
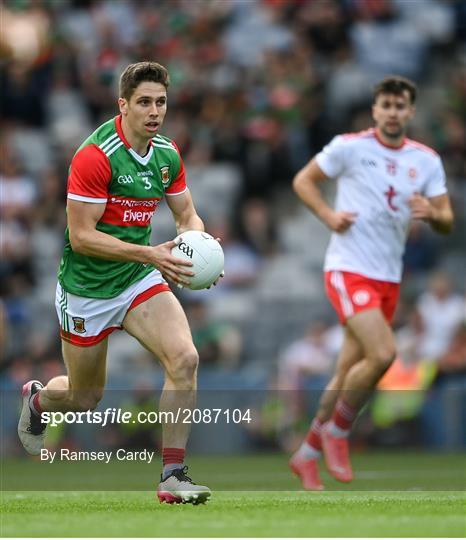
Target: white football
(205, 253)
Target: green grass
(235, 514)
(392, 495)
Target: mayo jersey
(376, 181)
(106, 170)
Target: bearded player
(384, 180)
(111, 278)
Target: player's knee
(385, 357)
(57, 394)
(183, 366)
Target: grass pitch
(393, 495)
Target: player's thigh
(350, 354)
(86, 366)
(160, 324)
(374, 334)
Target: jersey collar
(379, 140)
(143, 160)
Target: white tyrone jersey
(376, 181)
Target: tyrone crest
(165, 171)
(79, 327)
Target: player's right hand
(172, 268)
(341, 221)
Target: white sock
(168, 469)
(335, 431)
(308, 452)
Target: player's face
(146, 109)
(392, 113)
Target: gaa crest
(165, 172)
(79, 327)
(391, 166)
(361, 297)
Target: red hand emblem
(391, 194)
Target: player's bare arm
(87, 240)
(435, 210)
(184, 213)
(305, 185)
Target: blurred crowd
(257, 88)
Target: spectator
(307, 356)
(410, 338)
(258, 228)
(218, 343)
(442, 312)
(454, 360)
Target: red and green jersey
(105, 169)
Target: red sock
(172, 456)
(313, 435)
(344, 415)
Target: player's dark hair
(395, 84)
(140, 72)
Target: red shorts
(351, 293)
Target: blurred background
(258, 87)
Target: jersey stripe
(81, 198)
(62, 308)
(161, 139)
(114, 148)
(359, 134)
(337, 280)
(166, 146)
(420, 146)
(109, 148)
(163, 142)
(107, 141)
(173, 194)
(110, 145)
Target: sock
(34, 404)
(173, 458)
(335, 431)
(312, 445)
(342, 419)
(306, 451)
(313, 435)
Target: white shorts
(87, 321)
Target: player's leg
(373, 332)
(304, 462)
(83, 386)
(80, 390)
(160, 324)
(351, 353)
(378, 342)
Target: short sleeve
(178, 185)
(332, 158)
(90, 175)
(436, 183)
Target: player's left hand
(420, 207)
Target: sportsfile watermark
(239, 440)
(113, 415)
